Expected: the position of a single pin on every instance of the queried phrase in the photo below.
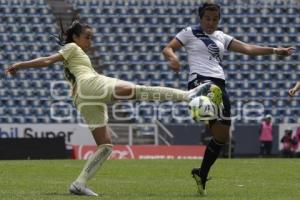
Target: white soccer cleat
(80, 189)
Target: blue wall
(245, 136)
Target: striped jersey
(205, 51)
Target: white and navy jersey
(205, 52)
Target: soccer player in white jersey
(205, 45)
(91, 93)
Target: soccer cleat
(80, 189)
(200, 185)
(212, 91)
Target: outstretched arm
(169, 53)
(255, 50)
(38, 62)
(296, 88)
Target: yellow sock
(157, 93)
(94, 163)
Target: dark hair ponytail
(76, 28)
(65, 37)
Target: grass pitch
(235, 179)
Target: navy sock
(211, 154)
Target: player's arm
(255, 50)
(296, 88)
(169, 54)
(35, 63)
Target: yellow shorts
(92, 95)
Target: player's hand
(12, 69)
(292, 92)
(284, 51)
(175, 65)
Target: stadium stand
(129, 38)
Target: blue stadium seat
(129, 47)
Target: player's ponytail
(76, 28)
(65, 37)
(60, 37)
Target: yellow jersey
(77, 63)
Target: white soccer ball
(203, 109)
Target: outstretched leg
(125, 91)
(103, 140)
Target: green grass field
(153, 179)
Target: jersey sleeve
(227, 40)
(67, 50)
(183, 36)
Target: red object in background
(82, 152)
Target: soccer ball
(203, 109)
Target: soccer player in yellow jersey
(91, 92)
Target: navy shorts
(226, 113)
